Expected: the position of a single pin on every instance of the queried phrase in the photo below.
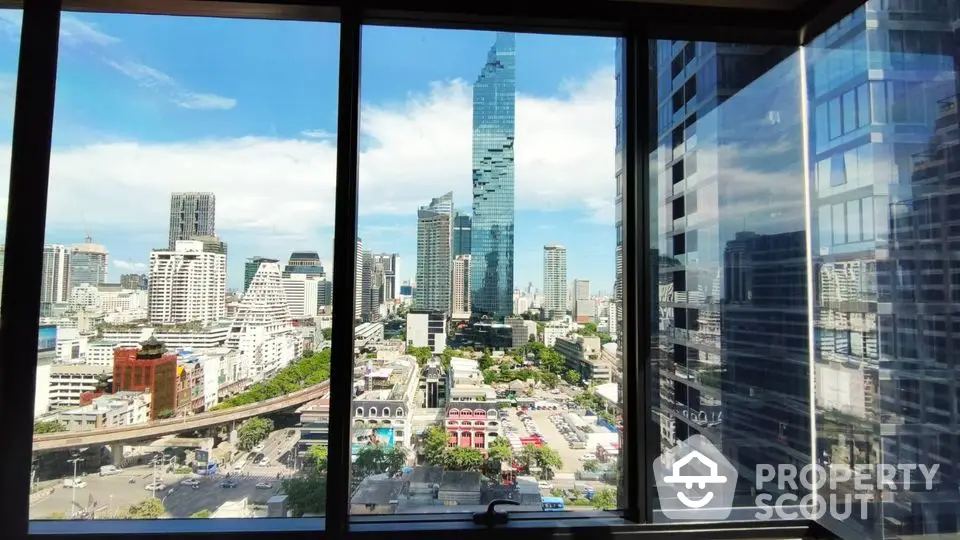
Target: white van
(70, 482)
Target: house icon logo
(695, 481)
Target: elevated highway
(161, 428)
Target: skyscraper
(88, 263)
(391, 266)
(191, 214)
(554, 280)
(55, 282)
(462, 230)
(433, 255)
(491, 245)
(187, 284)
(460, 286)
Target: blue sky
(147, 105)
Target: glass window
(160, 168)
(836, 121)
(839, 225)
(849, 111)
(853, 221)
(867, 213)
(863, 105)
(493, 341)
(9, 55)
(878, 99)
(826, 230)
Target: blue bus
(553, 504)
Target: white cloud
(129, 266)
(318, 134)
(274, 188)
(149, 77)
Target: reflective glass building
(494, 100)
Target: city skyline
(183, 139)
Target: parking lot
(554, 439)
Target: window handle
(491, 517)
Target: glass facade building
(806, 208)
(494, 119)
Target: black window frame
(636, 23)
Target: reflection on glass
(9, 55)
(175, 192)
(486, 361)
(773, 294)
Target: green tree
(591, 466)
(552, 361)
(378, 460)
(551, 380)
(165, 413)
(327, 334)
(498, 453)
(605, 499)
(306, 494)
(422, 354)
(201, 514)
(146, 509)
(571, 377)
(317, 456)
(253, 431)
(486, 360)
(589, 329)
(434, 445)
(296, 376)
(52, 426)
(463, 459)
(542, 457)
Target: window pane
(189, 236)
(493, 371)
(732, 314)
(839, 225)
(897, 409)
(9, 55)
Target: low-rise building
(582, 354)
(384, 392)
(314, 426)
(367, 334)
(106, 411)
(427, 329)
(68, 382)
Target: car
(544, 485)
(156, 486)
(264, 485)
(258, 448)
(191, 482)
(228, 484)
(263, 462)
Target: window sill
(533, 526)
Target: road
(110, 494)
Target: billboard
(47, 338)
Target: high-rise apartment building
(250, 269)
(433, 255)
(582, 305)
(55, 282)
(462, 232)
(492, 242)
(262, 330)
(88, 263)
(358, 290)
(187, 284)
(460, 287)
(136, 282)
(554, 280)
(191, 214)
(390, 263)
(302, 294)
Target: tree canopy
(297, 376)
(376, 459)
(317, 457)
(147, 509)
(306, 494)
(422, 354)
(542, 457)
(605, 499)
(253, 431)
(52, 426)
(434, 445)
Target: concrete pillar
(116, 454)
(234, 438)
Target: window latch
(492, 517)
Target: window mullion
(26, 219)
(345, 270)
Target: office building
(148, 368)
(191, 214)
(133, 282)
(462, 232)
(427, 329)
(554, 281)
(460, 288)
(390, 264)
(187, 284)
(301, 292)
(433, 255)
(491, 244)
(583, 306)
(88, 263)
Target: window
(487, 325)
(162, 166)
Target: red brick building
(148, 368)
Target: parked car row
(568, 432)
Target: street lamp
(76, 461)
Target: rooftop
(374, 490)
